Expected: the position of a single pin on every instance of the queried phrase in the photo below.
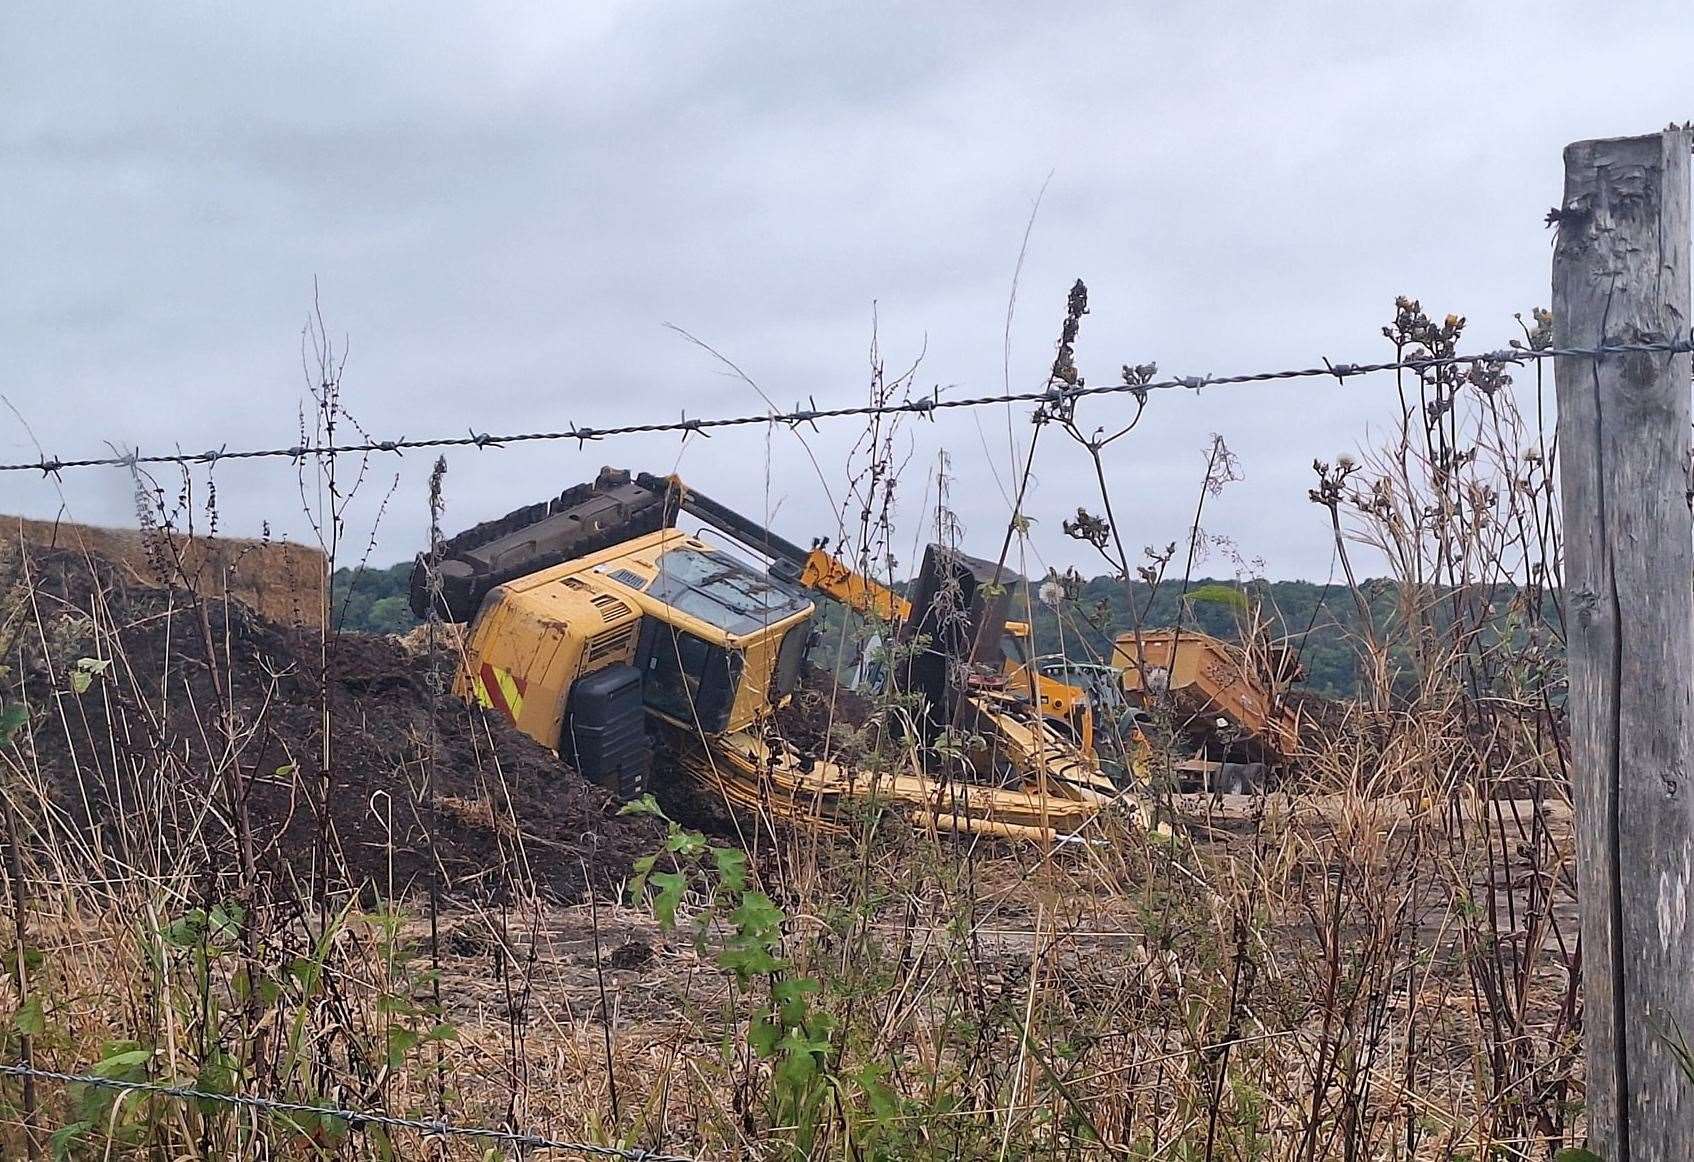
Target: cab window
(686, 678)
(723, 592)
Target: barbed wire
(432, 1127)
(922, 406)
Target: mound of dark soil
(819, 710)
(208, 712)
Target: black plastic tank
(605, 734)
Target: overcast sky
(504, 207)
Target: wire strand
(434, 1127)
(926, 405)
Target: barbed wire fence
(1056, 394)
(794, 417)
(429, 1127)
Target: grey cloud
(503, 206)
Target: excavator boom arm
(816, 569)
(831, 577)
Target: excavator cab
(722, 643)
(1066, 706)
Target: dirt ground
(611, 965)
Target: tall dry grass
(1376, 961)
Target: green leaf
(795, 988)
(790, 995)
(688, 843)
(29, 1020)
(758, 932)
(643, 869)
(732, 868)
(1577, 1154)
(757, 914)
(185, 931)
(34, 958)
(646, 805)
(12, 720)
(763, 1035)
(123, 1064)
(64, 1140)
(86, 670)
(749, 961)
(226, 920)
(670, 887)
(884, 1102)
(799, 1063)
(124, 1061)
(400, 1043)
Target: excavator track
(763, 776)
(582, 519)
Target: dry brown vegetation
(278, 579)
(1377, 961)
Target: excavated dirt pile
(135, 754)
(280, 579)
(820, 711)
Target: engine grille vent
(627, 577)
(610, 642)
(611, 609)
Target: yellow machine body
(537, 635)
(1215, 678)
(686, 646)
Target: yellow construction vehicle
(609, 635)
(1231, 721)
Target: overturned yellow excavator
(609, 635)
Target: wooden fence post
(1620, 275)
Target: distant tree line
(1320, 621)
(372, 600)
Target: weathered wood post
(1620, 275)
